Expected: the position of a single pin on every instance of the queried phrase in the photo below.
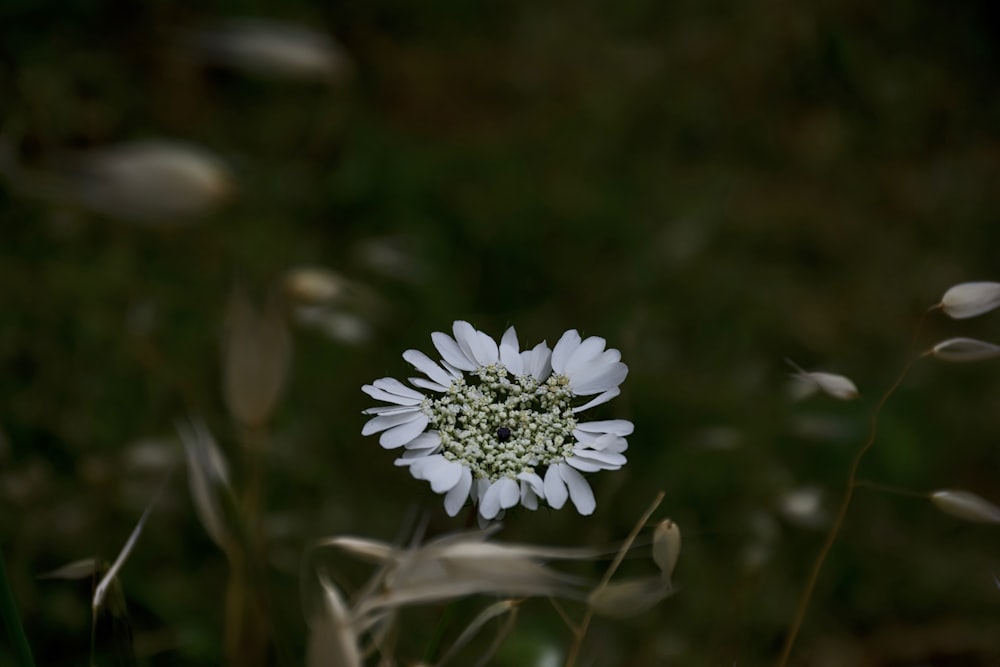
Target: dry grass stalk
(332, 638)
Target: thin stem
(845, 503)
(581, 632)
(12, 620)
(865, 484)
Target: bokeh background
(712, 186)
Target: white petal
(596, 379)
(564, 348)
(555, 488)
(394, 386)
(603, 460)
(610, 356)
(480, 489)
(510, 493)
(529, 499)
(454, 372)
(468, 340)
(597, 400)
(579, 491)
(510, 355)
(428, 440)
(616, 426)
(404, 433)
(443, 474)
(605, 442)
(537, 361)
(389, 410)
(533, 481)
(584, 465)
(427, 384)
(589, 350)
(490, 506)
(383, 422)
(487, 351)
(426, 365)
(382, 395)
(451, 352)
(411, 456)
(455, 499)
(532, 487)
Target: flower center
(500, 425)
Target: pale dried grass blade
(666, 548)
(964, 350)
(102, 586)
(967, 506)
(370, 550)
(332, 641)
(628, 598)
(970, 299)
(481, 619)
(208, 477)
(78, 569)
(256, 356)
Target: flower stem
(845, 503)
(581, 631)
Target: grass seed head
(629, 598)
(967, 506)
(964, 350)
(970, 299)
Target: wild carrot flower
(499, 424)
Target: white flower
(499, 425)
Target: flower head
(499, 425)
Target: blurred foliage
(712, 186)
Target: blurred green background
(712, 186)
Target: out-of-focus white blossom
(273, 49)
(150, 182)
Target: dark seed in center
(503, 434)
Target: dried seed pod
(964, 349)
(965, 505)
(970, 299)
(628, 598)
(666, 548)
